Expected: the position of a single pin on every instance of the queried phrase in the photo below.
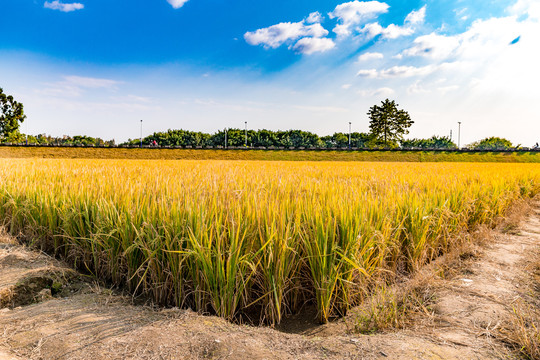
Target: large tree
(387, 123)
(11, 114)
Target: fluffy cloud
(433, 46)
(57, 5)
(276, 35)
(393, 31)
(354, 13)
(310, 45)
(305, 37)
(416, 17)
(370, 56)
(483, 40)
(530, 8)
(309, 36)
(398, 72)
(177, 4)
(314, 17)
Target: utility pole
(349, 135)
(225, 138)
(459, 135)
(246, 133)
(141, 134)
(450, 134)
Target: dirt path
(82, 321)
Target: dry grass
(395, 307)
(522, 332)
(269, 155)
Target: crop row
(236, 238)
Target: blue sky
(97, 67)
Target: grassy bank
(277, 155)
(239, 238)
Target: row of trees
(387, 125)
(290, 138)
(266, 138)
(77, 140)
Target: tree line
(387, 125)
(290, 138)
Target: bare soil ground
(47, 311)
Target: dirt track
(84, 321)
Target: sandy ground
(85, 321)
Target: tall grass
(252, 238)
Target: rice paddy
(253, 238)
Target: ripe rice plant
(238, 238)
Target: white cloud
(398, 72)
(314, 17)
(433, 46)
(92, 83)
(177, 4)
(381, 92)
(416, 17)
(371, 73)
(57, 5)
(531, 8)
(355, 13)
(417, 88)
(346, 86)
(310, 45)
(73, 86)
(483, 40)
(276, 35)
(370, 56)
(394, 31)
(406, 71)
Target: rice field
(253, 238)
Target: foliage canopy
(387, 123)
(11, 114)
(491, 143)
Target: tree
(435, 142)
(341, 140)
(388, 124)
(492, 143)
(11, 113)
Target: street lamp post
(349, 135)
(246, 133)
(141, 135)
(459, 135)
